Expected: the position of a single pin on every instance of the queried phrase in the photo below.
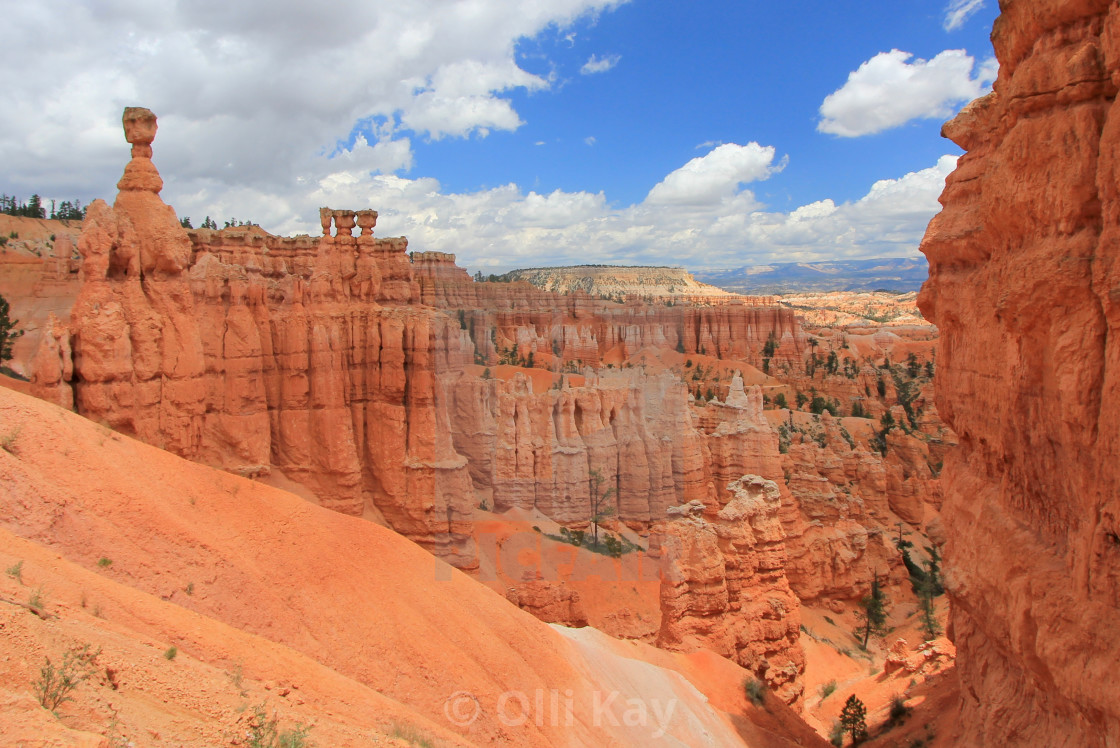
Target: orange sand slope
(325, 618)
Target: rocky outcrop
(724, 587)
(1024, 279)
(297, 356)
(548, 601)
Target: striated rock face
(518, 318)
(724, 586)
(1025, 288)
(537, 450)
(246, 356)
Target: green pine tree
(8, 331)
(854, 719)
(873, 612)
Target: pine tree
(600, 508)
(873, 612)
(8, 332)
(854, 719)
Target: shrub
(15, 571)
(755, 690)
(411, 735)
(170, 653)
(265, 732)
(899, 710)
(828, 689)
(55, 684)
(104, 562)
(836, 734)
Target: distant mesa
(896, 274)
(618, 282)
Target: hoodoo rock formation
(302, 355)
(725, 587)
(1025, 288)
(392, 386)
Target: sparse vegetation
(37, 601)
(56, 683)
(898, 711)
(411, 735)
(836, 734)
(104, 562)
(828, 689)
(170, 653)
(237, 678)
(755, 690)
(265, 732)
(15, 571)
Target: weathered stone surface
(551, 602)
(724, 587)
(1024, 272)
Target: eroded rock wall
(307, 358)
(724, 586)
(1025, 289)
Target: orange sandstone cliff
(393, 387)
(1025, 288)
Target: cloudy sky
(513, 133)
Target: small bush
(104, 562)
(15, 571)
(8, 440)
(265, 732)
(36, 602)
(828, 689)
(755, 690)
(411, 735)
(836, 734)
(170, 653)
(55, 684)
(899, 710)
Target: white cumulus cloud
(715, 176)
(959, 11)
(256, 95)
(888, 91)
(505, 227)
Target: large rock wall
(257, 364)
(1025, 289)
(578, 327)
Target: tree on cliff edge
(8, 331)
(600, 502)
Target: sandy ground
(322, 619)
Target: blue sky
(708, 134)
